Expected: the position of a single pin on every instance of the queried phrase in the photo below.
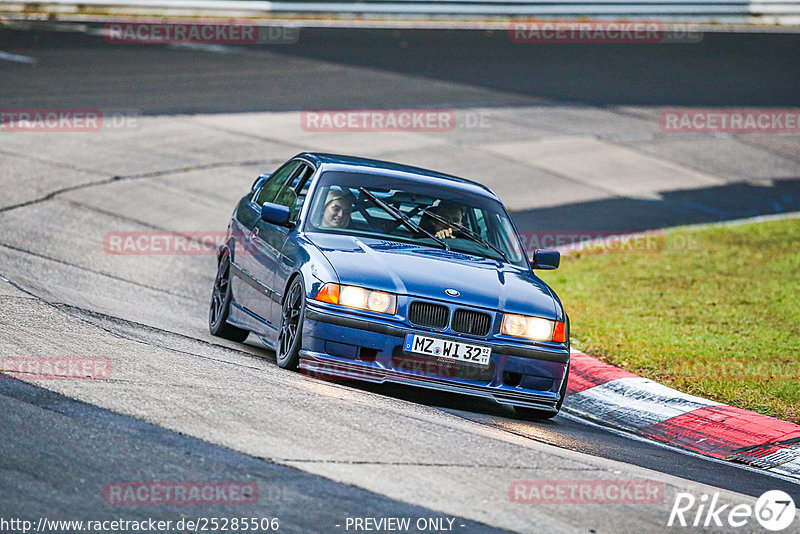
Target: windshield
(397, 209)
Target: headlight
(533, 328)
(358, 297)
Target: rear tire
(290, 333)
(532, 414)
(221, 304)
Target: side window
(288, 195)
(269, 189)
(302, 172)
(302, 193)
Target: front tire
(532, 414)
(221, 304)
(290, 333)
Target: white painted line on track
(16, 58)
(579, 419)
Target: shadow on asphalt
(692, 206)
(81, 449)
(715, 71)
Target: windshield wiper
(467, 232)
(400, 216)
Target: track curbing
(614, 397)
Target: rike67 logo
(774, 510)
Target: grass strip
(711, 311)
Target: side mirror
(275, 214)
(260, 180)
(546, 260)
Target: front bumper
(347, 345)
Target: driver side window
(270, 188)
(302, 194)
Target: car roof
(355, 164)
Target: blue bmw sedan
(368, 270)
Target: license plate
(443, 348)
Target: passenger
(446, 210)
(338, 206)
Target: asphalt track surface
(436, 68)
(184, 406)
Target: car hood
(422, 271)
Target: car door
(290, 251)
(268, 241)
(252, 272)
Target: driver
(446, 210)
(338, 206)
